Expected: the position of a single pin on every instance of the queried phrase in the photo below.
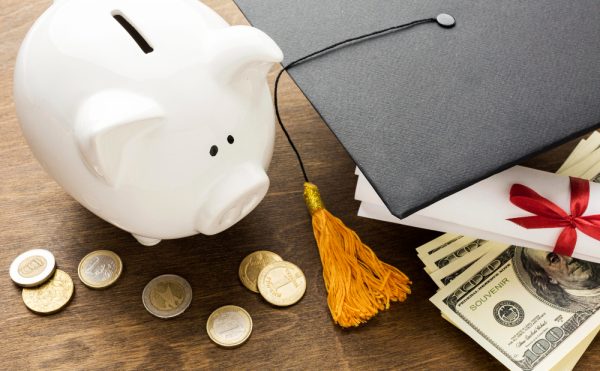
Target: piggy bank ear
(106, 123)
(237, 49)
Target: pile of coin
(47, 289)
(280, 283)
(51, 296)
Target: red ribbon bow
(549, 215)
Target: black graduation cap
(427, 111)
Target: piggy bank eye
(213, 150)
(230, 139)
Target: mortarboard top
(427, 111)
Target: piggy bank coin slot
(135, 35)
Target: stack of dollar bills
(531, 309)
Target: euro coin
(281, 283)
(100, 269)
(32, 268)
(167, 296)
(251, 266)
(229, 326)
(50, 297)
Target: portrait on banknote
(560, 281)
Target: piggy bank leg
(146, 241)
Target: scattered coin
(32, 268)
(281, 283)
(251, 266)
(50, 297)
(100, 269)
(167, 296)
(229, 326)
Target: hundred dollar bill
(442, 280)
(451, 253)
(443, 276)
(592, 173)
(528, 308)
(437, 244)
(571, 359)
(567, 363)
(584, 165)
(583, 149)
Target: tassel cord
(318, 53)
(359, 285)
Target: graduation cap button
(445, 20)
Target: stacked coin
(32, 268)
(253, 264)
(50, 297)
(45, 289)
(282, 283)
(279, 282)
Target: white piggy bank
(154, 114)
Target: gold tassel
(359, 285)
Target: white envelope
(482, 210)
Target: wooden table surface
(110, 329)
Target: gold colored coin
(251, 266)
(229, 326)
(281, 283)
(167, 296)
(50, 297)
(100, 269)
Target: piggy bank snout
(232, 198)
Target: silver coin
(229, 326)
(100, 269)
(32, 268)
(167, 296)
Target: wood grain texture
(111, 330)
